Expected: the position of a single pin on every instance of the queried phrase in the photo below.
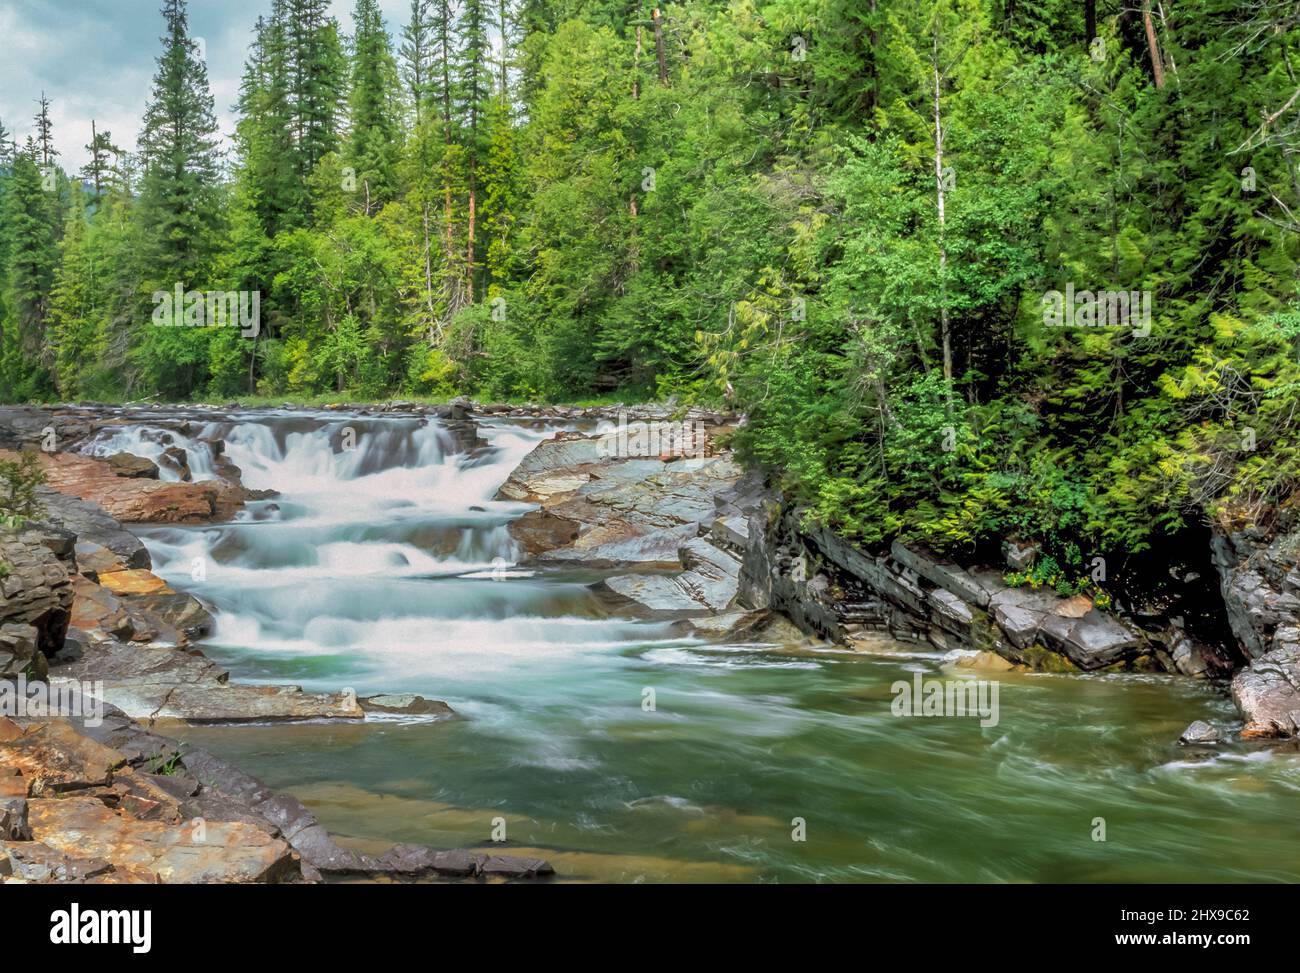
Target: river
(387, 567)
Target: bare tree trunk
(469, 249)
(636, 66)
(1157, 65)
(659, 45)
(1089, 20)
(939, 203)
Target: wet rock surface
(1260, 578)
(113, 802)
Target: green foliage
(18, 482)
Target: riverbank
(464, 521)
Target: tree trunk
(939, 203)
(1089, 20)
(659, 46)
(1157, 65)
(469, 249)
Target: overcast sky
(96, 59)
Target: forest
(971, 268)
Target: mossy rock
(1042, 659)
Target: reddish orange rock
(133, 500)
(135, 581)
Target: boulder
(135, 581)
(213, 702)
(940, 572)
(1095, 640)
(33, 861)
(175, 460)
(14, 825)
(134, 500)
(598, 508)
(1260, 580)
(709, 582)
(1199, 733)
(18, 651)
(35, 593)
(130, 465)
(52, 756)
(94, 526)
(1267, 693)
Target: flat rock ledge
(116, 803)
(661, 518)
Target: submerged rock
(406, 704)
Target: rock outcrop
(36, 597)
(109, 802)
(1260, 577)
(597, 507)
(134, 500)
(831, 588)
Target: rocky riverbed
(679, 532)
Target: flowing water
(387, 567)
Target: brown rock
(134, 582)
(212, 851)
(130, 465)
(53, 756)
(133, 500)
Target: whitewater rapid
(383, 555)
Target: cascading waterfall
(384, 553)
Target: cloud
(95, 59)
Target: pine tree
(98, 169)
(473, 84)
(267, 172)
(33, 256)
(416, 54)
(76, 328)
(45, 133)
(179, 150)
(315, 70)
(373, 135)
(8, 148)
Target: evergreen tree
(373, 134)
(179, 154)
(45, 134)
(26, 351)
(315, 69)
(98, 169)
(472, 85)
